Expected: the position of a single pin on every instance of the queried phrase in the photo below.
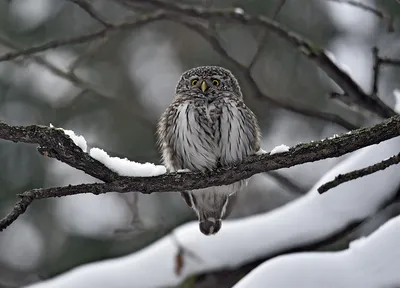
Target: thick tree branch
(54, 143)
(343, 178)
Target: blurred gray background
(113, 90)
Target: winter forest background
(111, 89)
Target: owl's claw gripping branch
(72, 155)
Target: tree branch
(378, 62)
(263, 40)
(314, 53)
(89, 9)
(137, 22)
(358, 4)
(54, 143)
(376, 70)
(211, 37)
(343, 178)
(309, 49)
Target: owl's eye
(194, 82)
(215, 82)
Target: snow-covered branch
(368, 262)
(122, 175)
(301, 225)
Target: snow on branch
(55, 143)
(368, 262)
(301, 225)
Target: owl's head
(208, 81)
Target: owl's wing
(239, 132)
(165, 137)
(186, 197)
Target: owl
(207, 126)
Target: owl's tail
(210, 226)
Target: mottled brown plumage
(207, 126)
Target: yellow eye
(194, 82)
(215, 82)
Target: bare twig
(87, 54)
(56, 71)
(358, 4)
(137, 22)
(264, 36)
(54, 143)
(349, 86)
(212, 38)
(312, 51)
(287, 183)
(376, 70)
(343, 178)
(88, 8)
(390, 61)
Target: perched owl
(208, 126)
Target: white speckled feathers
(208, 126)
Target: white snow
(280, 149)
(371, 263)
(396, 94)
(261, 151)
(125, 167)
(77, 139)
(239, 10)
(22, 253)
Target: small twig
(313, 52)
(358, 4)
(54, 143)
(19, 209)
(343, 100)
(87, 54)
(56, 71)
(264, 36)
(376, 70)
(137, 22)
(88, 8)
(343, 178)
(287, 183)
(389, 61)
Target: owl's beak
(204, 86)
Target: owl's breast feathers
(197, 134)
